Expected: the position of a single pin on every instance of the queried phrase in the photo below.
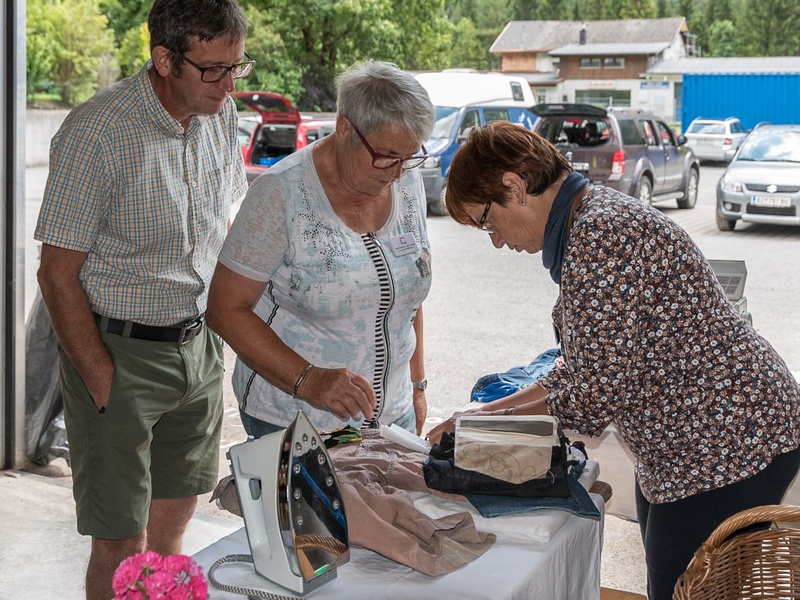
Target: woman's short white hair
(375, 94)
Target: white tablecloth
(565, 568)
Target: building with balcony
(597, 62)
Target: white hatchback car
(715, 139)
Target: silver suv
(632, 151)
(715, 139)
(762, 183)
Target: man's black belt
(180, 334)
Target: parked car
(464, 99)
(247, 129)
(313, 128)
(632, 151)
(762, 183)
(279, 130)
(275, 136)
(715, 139)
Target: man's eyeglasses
(215, 74)
(387, 161)
(482, 222)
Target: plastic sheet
(45, 433)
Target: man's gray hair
(177, 24)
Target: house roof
(647, 49)
(728, 65)
(544, 36)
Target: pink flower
(149, 576)
(198, 587)
(158, 585)
(126, 576)
(176, 563)
(180, 593)
(150, 560)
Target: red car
(313, 128)
(281, 130)
(247, 127)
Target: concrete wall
(40, 126)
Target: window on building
(603, 98)
(591, 62)
(614, 62)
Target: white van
(464, 99)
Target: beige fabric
(225, 495)
(375, 477)
(513, 448)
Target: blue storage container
(752, 97)
(268, 161)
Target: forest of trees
(75, 47)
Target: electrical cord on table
(327, 543)
(235, 589)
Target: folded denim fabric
(578, 502)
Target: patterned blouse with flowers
(651, 344)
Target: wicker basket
(756, 564)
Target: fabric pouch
(514, 449)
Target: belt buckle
(190, 330)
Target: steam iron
(292, 507)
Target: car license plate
(580, 166)
(770, 201)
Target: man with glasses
(321, 280)
(142, 177)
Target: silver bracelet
(297, 383)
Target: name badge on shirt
(403, 244)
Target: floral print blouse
(651, 344)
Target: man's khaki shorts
(158, 437)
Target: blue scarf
(556, 230)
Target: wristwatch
(420, 385)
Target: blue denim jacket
(499, 385)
